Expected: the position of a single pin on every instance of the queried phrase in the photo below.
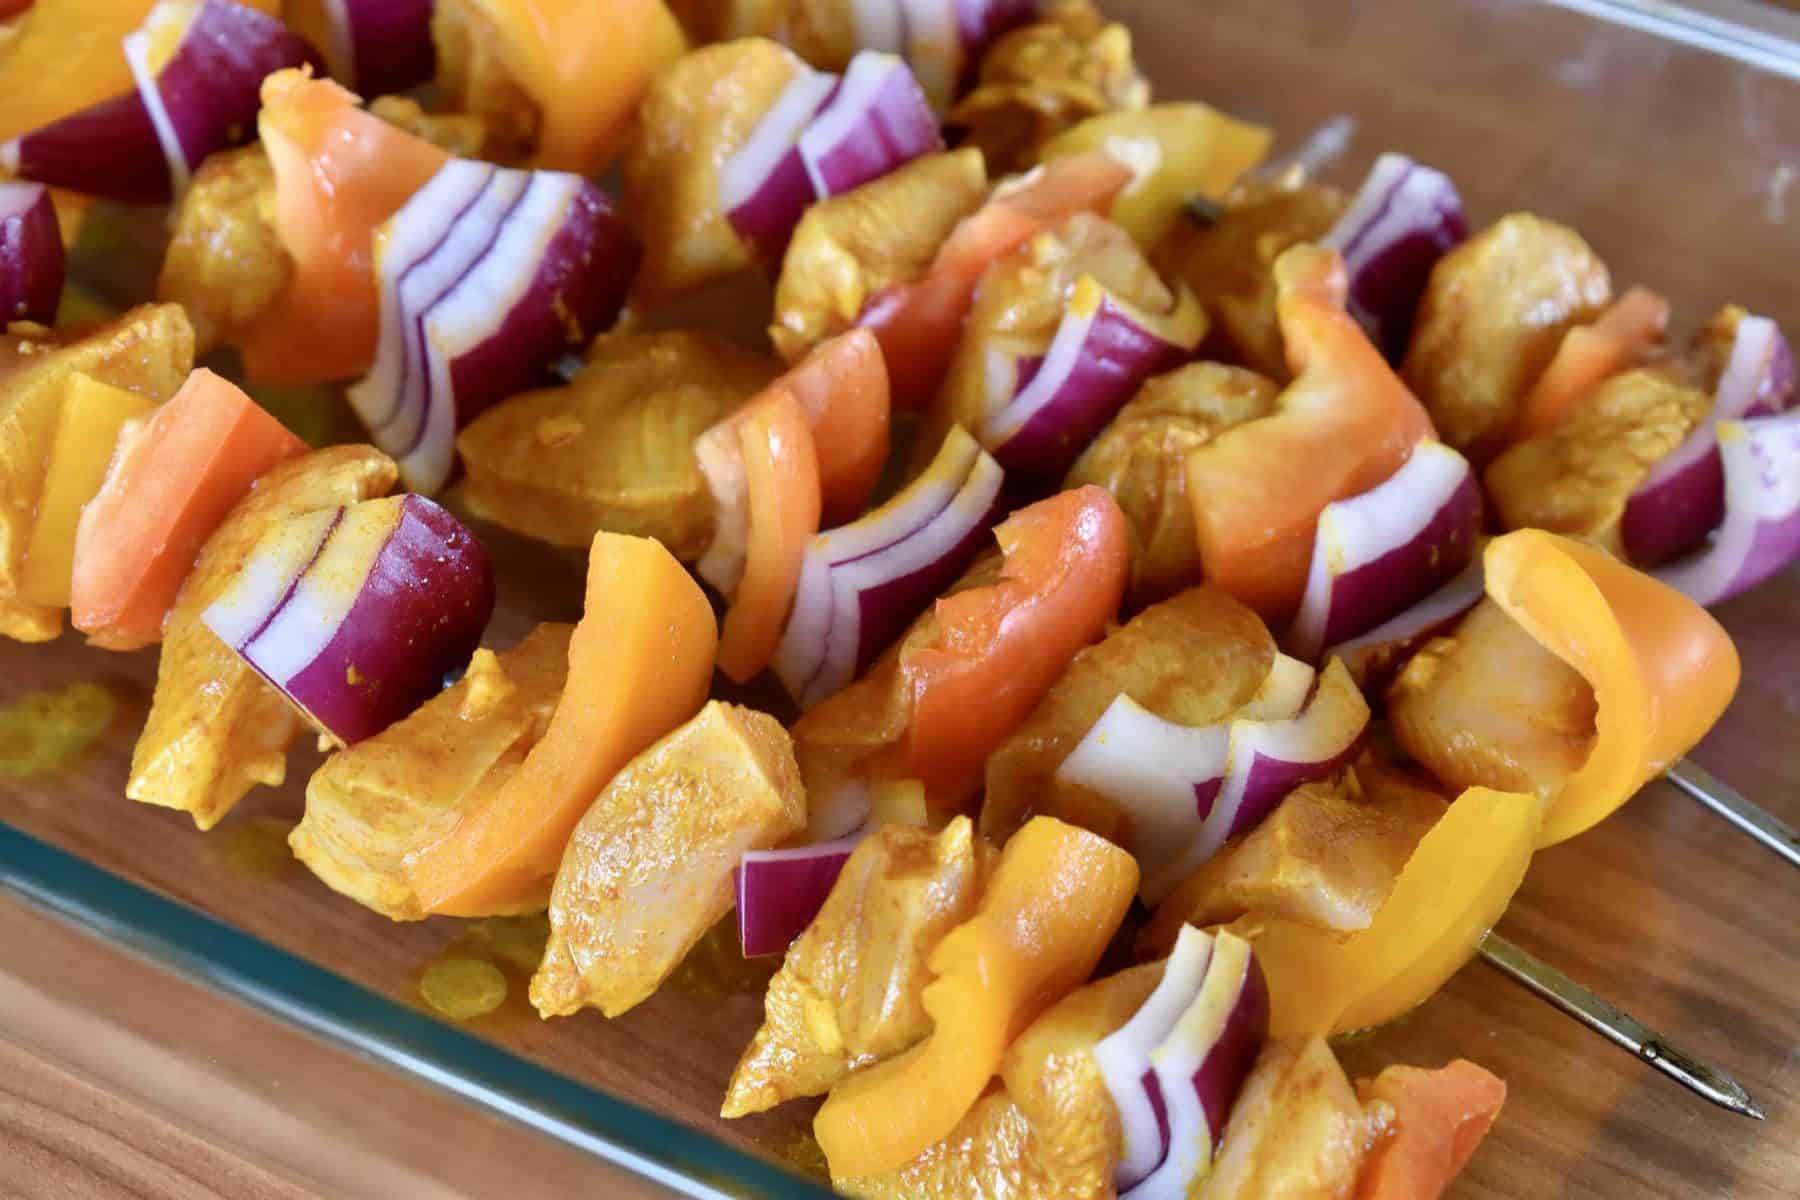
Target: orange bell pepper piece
(1342, 426)
(781, 474)
(169, 486)
(1054, 902)
(1661, 667)
(339, 173)
(1440, 1117)
(1589, 355)
(1451, 891)
(67, 58)
(640, 661)
(843, 386)
(919, 323)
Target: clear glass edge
(238, 965)
(246, 969)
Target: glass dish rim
(246, 969)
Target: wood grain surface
(1676, 164)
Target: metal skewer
(1731, 804)
(1618, 1027)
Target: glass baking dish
(1671, 138)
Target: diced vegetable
(31, 254)
(169, 486)
(1626, 334)
(1028, 943)
(369, 807)
(216, 728)
(639, 663)
(860, 584)
(779, 892)
(1344, 425)
(648, 869)
(1439, 1119)
(374, 47)
(358, 614)
(487, 276)
(1377, 554)
(1373, 657)
(66, 61)
(93, 416)
(1405, 217)
(1761, 531)
(339, 174)
(1175, 152)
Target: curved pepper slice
(1440, 1118)
(339, 173)
(1588, 355)
(1449, 894)
(1661, 667)
(1345, 424)
(1055, 901)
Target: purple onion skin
(979, 22)
(1390, 285)
(887, 610)
(212, 85)
(805, 883)
(1271, 779)
(767, 220)
(110, 150)
(31, 258)
(391, 40)
(1221, 1075)
(578, 291)
(1387, 586)
(419, 616)
(901, 127)
(1116, 356)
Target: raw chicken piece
(1229, 265)
(1141, 459)
(1327, 856)
(649, 869)
(1489, 707)
(851, 246)
(1050, 1130)
(1492, 317)
(823, 32)
(464, 135)
(1296, 1131)
(476, 81)
(1038, 80)
(1575, 478)
(1193, 659)
(371, 806)
(613, 449)
(216, 728)
(226, 264)
(149, 350)
(848, 993)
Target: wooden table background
(119, 1079)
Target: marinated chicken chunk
(1327, 856)
(1050, 1131)
(476, 80)
(649, 868)
(217, 728)
(463, 134)
(1194, 659)
(849, 992)
(1042, 78)
(1141, 459)
(1229, 264)
(372, 806)
(823, 32)
(851, 246)
(613, 449)
(1575, 478)
(149, 350)
(697, 114)
(1296, 1132)
(226, 264)
(1492, 317)
(1490, 707)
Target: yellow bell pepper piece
(1175, 152)
(87, 429)
(1449, 894)
(1054, 902)
(1661, 667)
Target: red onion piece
(1402, 221)
(1683, 497)
(356, 614)
(1044, 412)
(1165, 777)
(1379, 553)
(31, 254)
(379, 47)
(779, 892)
(496, 283)
(979, 22)
(109, 149)
(1201, 1065)
(1124, 1058)
(1761, 531)
(1372, 658)
(861, 584)
(763, 187)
